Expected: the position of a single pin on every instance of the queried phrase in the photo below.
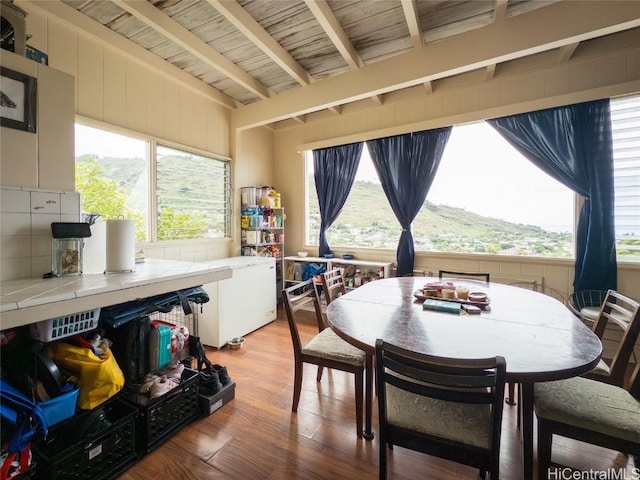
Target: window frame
(152, 201)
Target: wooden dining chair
(447, 407)
(444, 274)
(625, 313)
(325, 349)
(333, 284)
(588, 411)
(586, 304)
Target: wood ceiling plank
(410, 9)
(235, 14)
(150, 15)
(556, 25)
(87, 26)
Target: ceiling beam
(87, 26)
(330, 24)
(150, 15)
(333, 29)
(556, 25)
(410, 9)
(244, 22)
(565, 53)
(499, 15)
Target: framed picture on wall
(17, 100)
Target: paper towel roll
(121, 246)
(94, 256)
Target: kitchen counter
(32, 300)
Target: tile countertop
(31, 300)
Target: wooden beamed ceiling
(272, 60)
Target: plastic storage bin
(159, 346)
(60, 327)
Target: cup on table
(462, 293)
(448, 293)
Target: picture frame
(18, 99)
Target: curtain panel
(406, 165)
(574, 145)
(334, 172)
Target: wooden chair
(333, 284)
(446, 407)
(443, 274)
(588, 411)
(536, 287)
(625, 313)
(586, 304)
(326, 349)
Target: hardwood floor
(256, 436)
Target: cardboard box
(211, 403)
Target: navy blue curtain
(406, 165)
(574, 145)
(334, 172)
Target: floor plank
(257, 436)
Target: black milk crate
(163, 416)
(95, 444)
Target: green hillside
(366, 222)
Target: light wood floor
(256, 436)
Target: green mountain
(367, 222)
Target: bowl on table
(303, 254)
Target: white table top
(31, 300)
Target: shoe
(222, 374)
(162, 385)
(210, 382)
(174, 370)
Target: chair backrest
(625, 313)
(333, 284)
(586, 299)
(536, 287)
(466, 275)
(295, 298)
(460, 381)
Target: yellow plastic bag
(99, 378)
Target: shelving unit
(262, 227)
(294, 268)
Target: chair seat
(465, 423)
(601, 369)
(590, 404)
(590, 313)
(330, 346)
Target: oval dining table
(540, 339)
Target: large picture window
(114, 174)
(487, 198)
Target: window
(470, 208)
(112, 176)
(192, 191)
(625, 120)
(487, 198)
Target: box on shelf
(96, 444)
(211, 403)
(163, 416)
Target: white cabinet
(240, 304)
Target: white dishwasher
(240, 304)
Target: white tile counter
(27, 301)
